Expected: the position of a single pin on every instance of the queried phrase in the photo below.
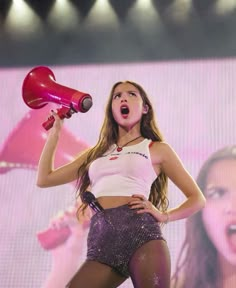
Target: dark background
(204, 34)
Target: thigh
(150, 265)
(93, 274)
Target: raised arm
(47, 176)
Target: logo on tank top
(115, 156)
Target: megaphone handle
(63, 112)
(49, 123)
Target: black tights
(149, 267)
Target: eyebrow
(129, 91)
(210, 186)
(215, 186)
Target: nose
(123, 97)
(230, 205)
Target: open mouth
(231, 229)
(124, 110)
(231, 236)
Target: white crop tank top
(123, 173)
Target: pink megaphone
(40, 87)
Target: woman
(208, 255)
(127, 172)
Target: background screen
(195, 108)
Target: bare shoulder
(161, 151)
(161, 146)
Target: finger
(53, 114)
(56, 225)
(144, 203)
(141, 211)
(135, 202)
(139, 196)
(141, 205)
(136, 207)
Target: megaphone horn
(40, 87)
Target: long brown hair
(109, 135)
(197, 262)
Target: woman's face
(127, 105)
(219, 214)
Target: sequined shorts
(116, 233)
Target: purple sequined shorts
(116, 233)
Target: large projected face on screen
(195, 108)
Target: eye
(132, 93)
(115, 96)
(215, 193)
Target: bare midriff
(114, 201)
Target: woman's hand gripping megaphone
(62, 113)
(40, 87)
